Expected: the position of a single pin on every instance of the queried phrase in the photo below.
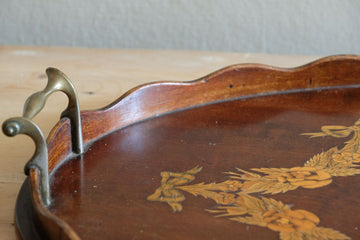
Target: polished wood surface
(100, 76)
(104, 193)
(326, 87)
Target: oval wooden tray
(247, 152)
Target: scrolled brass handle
(57, 81)
(39, 160)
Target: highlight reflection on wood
(235, 203)
(246, 116)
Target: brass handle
(57, 81)
(39, 160)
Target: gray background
(303, 27)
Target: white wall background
(306, 27)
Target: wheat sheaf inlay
(235, 202)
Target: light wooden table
(100, 76)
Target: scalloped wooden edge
(144, 102)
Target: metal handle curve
(39, 160)
(57, 81)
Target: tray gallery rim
(219, 83)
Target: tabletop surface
(100, 76)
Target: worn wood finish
(250, 131)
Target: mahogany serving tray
(247, 152)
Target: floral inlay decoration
(235, 202)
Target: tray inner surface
(116, 189)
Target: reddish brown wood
(59, 150)
(103, 194)
(107, 191)
(235, 81)
(231, 82)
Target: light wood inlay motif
(235, 202)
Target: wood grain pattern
(100, 76)
(334, 81)
(232, 82)
(264, 132)
(81, 187)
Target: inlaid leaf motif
(322, 159)
(343, 171)
(253, 204)
(270, 171)
(253, 220)
(292, 236)
(235, 203)
(229, 211)
(272, 204)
